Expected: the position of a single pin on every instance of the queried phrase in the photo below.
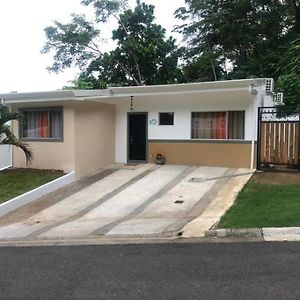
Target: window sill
(200, 141)
(42, 140)
(219, 140)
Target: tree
(8, 138)
(204, 67)
(289, 80)
(294, 13)
(237, 32)
(143, 54)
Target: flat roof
(81, 95)
(63, 95)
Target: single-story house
(207, 123)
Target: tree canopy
(143, 53)
(231, 39)
(289, 79)
(243, 37)
(224, 39)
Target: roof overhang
(52, 96)
(199, 87)
(112, 93)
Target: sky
(22, 23)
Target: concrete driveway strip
(73, 204)
(172, 207)
(220, 204)
(118, 206)
(82, 199)
(17, 230)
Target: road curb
(123, 241)
(247, 232)
(268, 234)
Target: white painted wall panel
(5, 156)
(182, 106)
(268, 101)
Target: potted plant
(160, 159)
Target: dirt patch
(277, 178)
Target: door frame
(146, 136)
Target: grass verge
(15, 182)
(261, 204)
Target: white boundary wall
(5, 157)
(35, 194)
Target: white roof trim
(154, 90)
(210, 85)
(176, 92)
(16, 101)
(73, 95)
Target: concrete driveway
(132, 201)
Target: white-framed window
(42, 124)
(221, 125)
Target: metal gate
(278, 138)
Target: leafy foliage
(242, 39)
(143, 54)
(233, 31)
(225, 39)
(104, 9)
(289, 80)
(8, 138)
(74, 43)
(290, 61)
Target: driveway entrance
(133, 201)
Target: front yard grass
(14, 182)
(268, 200)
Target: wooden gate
(278, 139)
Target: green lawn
(14, 182)
(264, 205)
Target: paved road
(170, 271)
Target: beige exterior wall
(51, 155)
(234, 155)
(94, 137)
(88, 142)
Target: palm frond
(6, 115)
(9, 138)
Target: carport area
(131, 201)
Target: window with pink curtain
(218, 125)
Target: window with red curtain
(218, 125)
(43, 123)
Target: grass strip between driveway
(264, 205)
(15, 182)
